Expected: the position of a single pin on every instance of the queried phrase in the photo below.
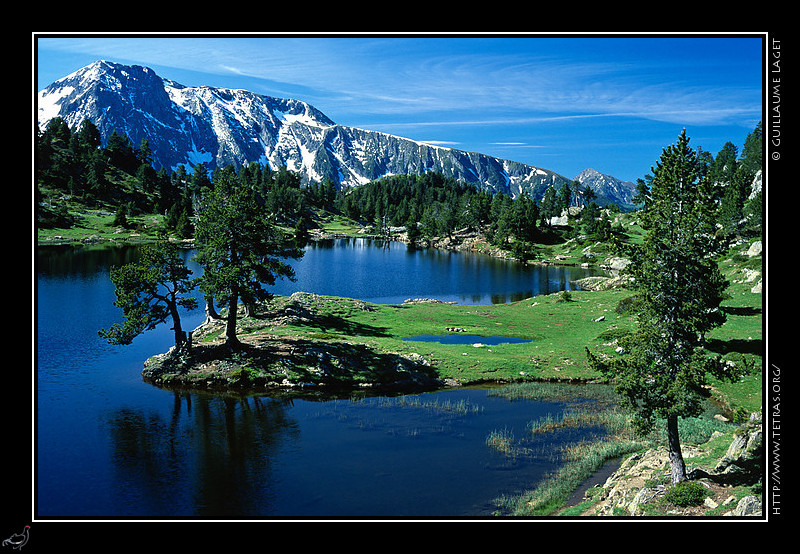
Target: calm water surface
(108, 444)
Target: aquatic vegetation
(502, 441)
(459, 407)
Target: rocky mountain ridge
(220, 126)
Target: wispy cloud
(450, 80)
(521, 97)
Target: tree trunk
(211, 312)
(230, 328)
(180, 335)
(677, 465)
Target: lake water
(110, 445)
(391, 272)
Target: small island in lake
(309, 341)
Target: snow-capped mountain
(607, 188)
(220, 126)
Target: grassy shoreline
(558, 331)
(325, 334)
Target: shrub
(629, 305)
(686, 493)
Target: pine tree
(150, 291)
(564, 197)
(239, 248)
(680, 288)
(547, 206)
(88, 135)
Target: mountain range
(220, 126)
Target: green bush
(686, 493)
(629, 305)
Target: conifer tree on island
(663, 370)
(240, 249)
(150, 291)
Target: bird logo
(18, 540)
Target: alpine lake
(109, 444)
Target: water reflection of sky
(108, 444)
(389, 273)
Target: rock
(615, 263)
(599, 282)
(750, 275)
(425, 301)
(626, 487)
(644, 496)
(755, 249)
(747, 506)
(745, 456)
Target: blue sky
(561, 103)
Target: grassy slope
(558, 330)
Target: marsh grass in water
(589, 407)
(459, 407)
(604, 434)
(503, 442)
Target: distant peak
(588, 172)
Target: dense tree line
(433, 205)
(729, 178)
(76, 163)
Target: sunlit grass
(502, 441)
(459, 407)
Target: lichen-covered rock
(626, 489)
(747, 506)
(745, 456)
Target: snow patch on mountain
(220, 126)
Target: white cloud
(446, 81)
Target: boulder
(755, 249)
(627, 487)
(744, 458)
(616, 263)
(747, 506)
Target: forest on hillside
(75, 168)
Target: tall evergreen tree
(680, 287)
(239, 248)
(88, 135)
(564, 197)
(547, 207)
